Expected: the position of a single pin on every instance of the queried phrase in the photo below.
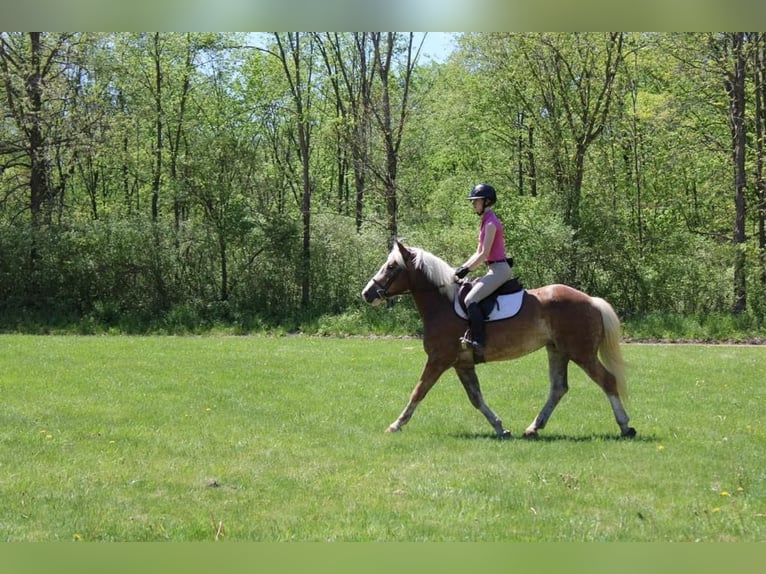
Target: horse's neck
(429, 300)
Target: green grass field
(281, 438)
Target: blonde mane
(436, 270)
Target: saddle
(503, 303)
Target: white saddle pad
(505, 307)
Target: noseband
(381, 289)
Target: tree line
(259, 179)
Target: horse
(572, 326)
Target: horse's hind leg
(557, 374)
(471, 385)
(608, 384)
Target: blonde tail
(609, 350)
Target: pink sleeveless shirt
(497, 249)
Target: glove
(461, 271)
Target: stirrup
(469, 344)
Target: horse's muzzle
(372, 293)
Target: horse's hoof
(630, 433)
(505, 434)
(530, 434)
(392, 428)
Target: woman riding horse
(490, 249)
(570, 324)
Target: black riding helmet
(484, 190)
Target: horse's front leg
(470, 382)
(431, 373)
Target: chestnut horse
(570, 324)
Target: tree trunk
(759, 65)
(157, 176)
(351, 79)
(300, 89)
(39, 183)
(392, 128)
(735, 86)
(531, 167)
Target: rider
(490, 250)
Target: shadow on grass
(554, 438)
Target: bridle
(381, 289)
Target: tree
(563, 84)
(347, 60)
(735, 88)
(390, 109)
(299, 70)
(759, 90)
(34, 75)
(143, 173)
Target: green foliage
(635, 206)
(102, 269)
(709, 327)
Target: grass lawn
(281, 438)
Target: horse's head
(392, 277)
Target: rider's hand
(461, 271)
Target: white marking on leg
(493, 419)
(404, 417)
(619, 413)
(555, 395)
(471, 385)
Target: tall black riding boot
(476, 325)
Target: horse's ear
(406, 253)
